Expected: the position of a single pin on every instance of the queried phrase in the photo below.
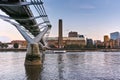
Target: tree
(5, 45)
(2, 45)
(16, 45)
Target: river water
(66, 66)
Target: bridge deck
(22, 14)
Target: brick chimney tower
(60, 34)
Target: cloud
(86, 7)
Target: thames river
(64, 66)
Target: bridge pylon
(33, 56)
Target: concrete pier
(33, 56)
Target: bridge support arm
(41, 34)
(24, 34)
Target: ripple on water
(67, 66)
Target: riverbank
(95, 50)
(81, 50)
(90, 50)
(12, 50)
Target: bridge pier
(33, 56)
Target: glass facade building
(114, 35)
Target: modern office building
(106, 38)
(114, 35)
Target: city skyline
(92, 18)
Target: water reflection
(112, 59)
(74, 65)
(74, 60)
(33, 72)
(60, 67)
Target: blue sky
(92, 18)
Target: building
(114, 43)
(81, 36)
(72, 34)
(21, 43)
(115, 40)
(98, 44)
(89, 42)
(106, 38)
(114, 35)
(74, 41)
(106, 41)
(53, 41)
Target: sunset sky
(92, 18)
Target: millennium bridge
(30, 19)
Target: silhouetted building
(97, 42)
(89, 42)
(114, 35)
(81, 36)
(60, 34)
(73, 34)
